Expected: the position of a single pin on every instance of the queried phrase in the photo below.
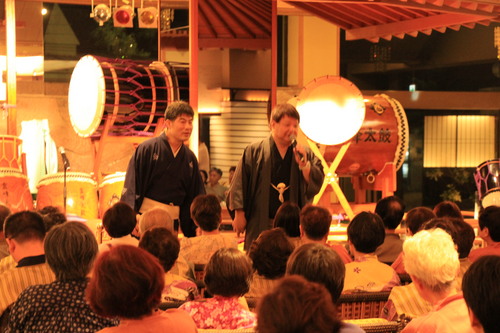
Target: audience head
(214, 176)
(161, 243)
(228, 273)
(465, 237)
(416, 217)
(119, 220)
(24, 226)
(489, 223)
(270, 252)
(366, 232)
(52, 216)
(156, 217)
(481, 290)
(206, 212)
(391, 210)
(430, 256)
(4, 212)
(127, 282)
(448, 209)
(297, 305)
(177, 108)
(318, 263)
(315, 222)
(288, 218)
(70, 250)
(232, 170)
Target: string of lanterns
(123, 16)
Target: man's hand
(239, 222)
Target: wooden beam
(235, 43)
(10, 18)
(424, 23)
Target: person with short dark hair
(227, 277)
(448, 209)
(213, 186)
(481, 290)
(415, 219)
(298, 305)
(318, 263)
(391, 210)
(165, 246)
(127, 283)
(164, 172)
(365, 233)
(288, 218)
(270, 172)
(119, 221)
(4, 248)
(206, 213)
(52, 216)
(24, 232)
(269, 254)
(489, 231)
(60, 306)
(315, 224)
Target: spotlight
(148, 17)
(101, 14)
(123, 17)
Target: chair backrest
(376, 325)
(170, 305)
(361, 305)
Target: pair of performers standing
(163, 171)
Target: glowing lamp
(332, 110)
(123, 17)
(148, 17)
(101, 14)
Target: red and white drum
(81, 193)
(487, 177)
(10, 156)
(132, 95)
(383, 137)
(14, 190)
(110, 191)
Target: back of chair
(170, 305)
(361, 305)
(376, 325)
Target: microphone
(64, 158)
(293, 143)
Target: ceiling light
(101, 14)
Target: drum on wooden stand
(10, 156)
(110, 191)
(81, 193)
(132, 95)
(487, 177)
(14, 190)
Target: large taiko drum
(487, 177)
(10, 156)
(81, 193)
(14, 190)
(383, 137)
(110, 191)
(132, 95)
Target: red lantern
(123, 17)
(148, 17)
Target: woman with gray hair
(432, 261)
(70, 251)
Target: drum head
(332, 110)
(86, 97)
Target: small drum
(383, 137)
(14, 190)
(110, 191)
(487, 177)
(81, 193)
(132, 95)
(10, 156)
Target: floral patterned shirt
(220, 313)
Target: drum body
(110, 191)
(487, 177)
(383, 137)
(132, 95)
(15, 192)
(9, 149)
(81, 193)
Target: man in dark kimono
(270, 172)
(164, 172)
